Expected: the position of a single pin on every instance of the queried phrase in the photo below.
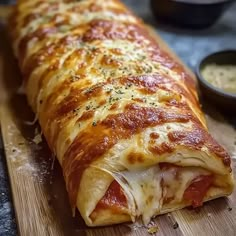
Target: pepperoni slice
(198, 189)
(114, 198)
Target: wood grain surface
(38, 189)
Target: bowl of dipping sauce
(217, 79)
(194, 14)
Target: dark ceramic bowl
(193, 14)
(225, 101)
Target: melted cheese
(146, 192)
(74, 19)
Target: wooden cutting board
(38, 189)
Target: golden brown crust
(97, 78)
(85, 149)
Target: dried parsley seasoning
(112, 74)
(110, 99)
(119, 92)
(142, 57)
(89, 90)
(75, 110)
(75, 78)
(88, 107)
(153, 104)
(96, 107)
(128, 86)
(109, 90)
(94, 123)
(148, 69)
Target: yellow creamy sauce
(221, 76)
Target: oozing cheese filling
(147, 191)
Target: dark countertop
(191, 46)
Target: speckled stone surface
(7, 219)
(191, 46)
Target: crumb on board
(209, 215)
(37, 139)
(153, 229)
(230, 208)
(175, 225)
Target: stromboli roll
(120, 113)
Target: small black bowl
(223, 100)
(194, 14)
